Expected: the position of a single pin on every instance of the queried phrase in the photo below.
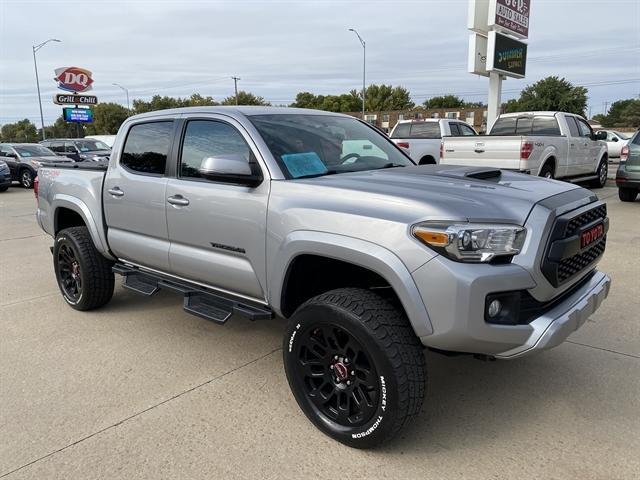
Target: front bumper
(455, 294)
(5, 180)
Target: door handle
(116, 192)
(178, 200)
(477, 150)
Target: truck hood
(50, 158)
(449, 192)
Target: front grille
(566, 231)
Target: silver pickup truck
(263, 212)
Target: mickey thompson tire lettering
(384, 333)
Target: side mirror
(614, 139)
(600, 136)
(231, 169)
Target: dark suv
(628, 175)
(79, 149)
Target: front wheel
(627, 194)
(26, 178)
(84, 276)
(603, 173)
(355, 366)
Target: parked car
(422, 138)
(615, 141)
(79, 149)
(549, 144)
(106, 139)
(370, 257)
(628, 174)
(5, 176)
(24, 159)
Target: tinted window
(573, 127)
(204, 139)
(57, 147)
(585, 130)
(545, 126)
(523, 125)
(90, 145)
(402, 130)
(504, 126)
(425, 130)
(636, 139)
(33, 151)
(466, 130)
(4, 149)
(146, 147)
(455, 131)
(69, 148)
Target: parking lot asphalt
(140, 389)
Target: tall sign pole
(495, 49)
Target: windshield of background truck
(34, 151)
(316, 145)
(91, 145)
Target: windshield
(33, 151)
(316, 145)
(90, 145)
(622, 136)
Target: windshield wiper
(391, 165)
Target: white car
(615, 141)
(421, 139)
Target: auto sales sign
(510, 16)
(73, 79)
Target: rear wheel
(26, 178)
(427, 160)
(627, 194)
(603, 173)
(84, 276)
(547, 171)
(355, 366)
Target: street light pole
(35, 48)
(364, 66)
(125, 91)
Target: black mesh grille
(569, 267)
(566, 227)
(585, 219)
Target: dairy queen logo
(73, 79)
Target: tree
(22, 131)
(551, 93)
(62, 129)
(245, 98)
(623, 113)
(107, 118)
(161, 103)
(387, 97)
(445, 101)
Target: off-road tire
(97, 278)
(627, 194)
(602, 173)
(547, 171)
(383, 332)
(4, 189)
(26, 177)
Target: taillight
(36, 184)
(441, 150)
(525, 150)
(403, 144)
(624, 153)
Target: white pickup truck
(422, 138)
(548, 144)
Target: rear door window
(466, 130)
(69, 147)
(57, 147)
(545, 126)
(146, 148)
(573, 127)
(425, 130)
(402, 130)
(504, 126)
(455, 131)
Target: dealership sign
(64, 99)
(73, 79)
(510, 16)
(77, 115)
(507, 55)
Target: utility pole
(364, 66)
(35, 48)
(235, 83)
(606, 107)
(125, 91)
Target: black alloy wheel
(70, 273)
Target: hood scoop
(471, 172)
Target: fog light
(494, 308)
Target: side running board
(197, 300)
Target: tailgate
(483, 151)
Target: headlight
(471, 242)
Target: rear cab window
(504, 126)
(546, 126)
(417, 130)
(147, 147)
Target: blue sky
(279, 48)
